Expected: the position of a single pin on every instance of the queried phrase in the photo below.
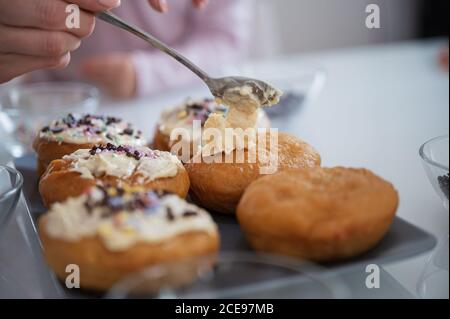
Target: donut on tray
(319, 214)
(76, 173)
(112, 232)
(73, 132)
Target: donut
(113, 232)
(142, 167)
(73, 132)
(318, 214)
(182, 116)
(218, 185)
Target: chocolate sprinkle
(112, 120)
(195, 106)
(92, 130)
(69, 120)
(189, 213)
(138, 155)
(57, 130)
(128, 131)
(170, 215)
(96, 150)
(129, 152)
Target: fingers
(96, 5)
(44, 14)
(163, 6)
(13, 65)
(200, 3)
(159, 5)
(34, 34)
(37, 42)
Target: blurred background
(239, 31)
(257, 29)
(297, 26)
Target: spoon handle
(118, 22)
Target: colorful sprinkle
(170, 215)
(189, 214)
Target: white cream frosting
(73, 221)
(100, 131)
(157, 165)
(243, 110)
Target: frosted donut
(73, 132)
(142, 167)
(111, 233)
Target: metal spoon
(218, 86)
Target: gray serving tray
(403, 240)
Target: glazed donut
(183, 116)
(111, 232)
(76, 173)
(318, 214)
(73, 132)
(218, 186)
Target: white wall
(311, 25)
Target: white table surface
(377, 106)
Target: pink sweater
(215, 36)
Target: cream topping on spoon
(243, 103)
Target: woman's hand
(34, 34)
(163, 6)
(115, 74)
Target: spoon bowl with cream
(247, 92)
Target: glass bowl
(435, 159)
(24, 109)
(232, 275)
(11, 182)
